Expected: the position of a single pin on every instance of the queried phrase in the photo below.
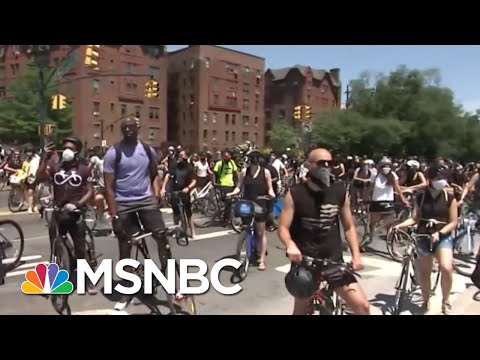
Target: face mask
(439, 184)
(386, 171)
(68, 155)
(320, 176)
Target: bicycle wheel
(90, 218)
(2, 182)
(397, 243)
(12, 243)
(62, 258)
(464, 254)
(243, 254)
(181, 304)
(90, 249)
(401, 296)
(236, 223)
(15, 199)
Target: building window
(324, 102)
(215, 99)
(256, 121)
(308, 99)
(205, 134)
(184, 81)
(97, 131)
(281, 113)
(112, 107)
(214, 118)
(227, 119)
(153, 113)
(233, 136)
(184, 99)
(207, 63)
(231, 101)
(257, 105)
(130, 68)
(15, 68)
(245, 89)
(131, 88)
(245, 136)
(138, 110)
(245, 71)
(153, 72)
(192, 64)
(255, 137)
(192, 99)
(246, 104)
(234, 117)
(214, 133)
(227, 134)
(205, 116)
(96, 86)
(184, 116)
(192, 117)
(245, 119)
(3, 92)
(153, 51)
(96, 107)
(152, 133)
(123, 110)
(2, 71)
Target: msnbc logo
(56, 283)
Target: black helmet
(78, 143)
(434, 170)
(254, 153)
(300, 282)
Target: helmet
(385, 161)
(78, 143)
(254, 152)
(413, 164)
(435, 170)
(300, 282)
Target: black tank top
(337, 171)
(315, 228)
(433, 208)
(414, 180)
(255, 187)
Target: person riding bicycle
(413, 178)
(132, 190)
(256, 181)
(435, 213)
(72, 189)
(183, 179)
(360, 181)
(309, 226)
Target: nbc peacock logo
(47, 280)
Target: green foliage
(283, 135)
(20, 115)
(400, 114)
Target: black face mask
(321, 176)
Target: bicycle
(200, 198)
(186, 301)
(11, 234)
(247, 250)
(325, 301)
(407, 282)
(63, 254)
(15, 196)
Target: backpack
(152, 167)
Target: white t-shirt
(201, 169)
(278, 165)
(381, 190)
(97, 164)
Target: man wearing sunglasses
(309, 226)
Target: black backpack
(152, 167)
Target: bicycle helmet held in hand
(300, 282)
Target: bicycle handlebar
(344, 267)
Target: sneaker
(30, 210)
(123, 303)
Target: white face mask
(439, 184)
(68, 155)
(386, 171)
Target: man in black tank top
(309, 226)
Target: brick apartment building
(215, 97)
(300, 85)
(105, 98)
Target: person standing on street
(309, 226)
(131, 187)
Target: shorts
(334, 279)
(146, 211)
(202, 181)
(260, 210)
(423, 245)
(382, 207)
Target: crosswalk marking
(101, 312)
(24, 258)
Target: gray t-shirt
(133, 182)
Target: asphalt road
(263, 292)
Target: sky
(459, 65)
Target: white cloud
(471, 106)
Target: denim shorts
(423, 245)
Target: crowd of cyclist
(127, 183)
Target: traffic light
(308, 112)
(46, 129)
(92, 55)
(155, 89)
(59, 102)
(297, 112)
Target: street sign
(104, 143)
(66, 65)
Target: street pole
(42, 104)
(348, 92)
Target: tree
(283, 135)
(20, 115)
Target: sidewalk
(465, 304)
